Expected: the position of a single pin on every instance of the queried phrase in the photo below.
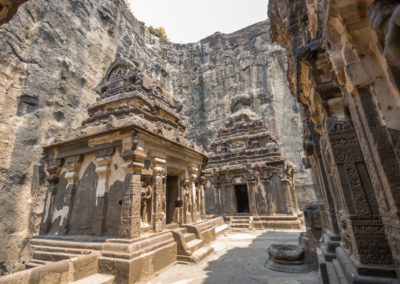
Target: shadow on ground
(244, 262)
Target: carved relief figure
(145, 207)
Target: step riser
(49, 256)
(189, 237)
(196, 258)
(61, 250)
(196, 247)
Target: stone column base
(345, 269)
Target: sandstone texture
(344, 70)
(54, 53)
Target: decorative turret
(130, 97)
(248, 174)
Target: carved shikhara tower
(247, 173)
(128, 170)
(110, 177)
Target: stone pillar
(251, 192)
(361, 227)
(129, 227)
(186, 203)
(217, 198)
(202, 197)
(103, 170)
(53, 175)
(195, 198)
(271, 210)
(159, 217)
(330, 239)
(72, 165)
(382, 156)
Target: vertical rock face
(54, 53)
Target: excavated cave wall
(54, 53)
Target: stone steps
(51, 256)
(36, 263)
(65, 244)
(47, 251)
(197, 256)
(189, 237)
(244, 226)
(221, 229)
(240, 222)
(96, 279)
(195, 244)
(60, 249)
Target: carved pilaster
(251, 191)
(130, 212)
(195, 196)
(187, 203)
(52, 178)
(360, 224)
(72, 165)
(217, 198)
(159, 220)
(103, 170)
(202, 197)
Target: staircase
(96, 279)
(241, 223)
(191, 249)
(47, 251)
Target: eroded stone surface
(344, 72)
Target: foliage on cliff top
(160, 32)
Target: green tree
(160, 32)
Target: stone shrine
(248, 175)
(124, 188)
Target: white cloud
(191, 20)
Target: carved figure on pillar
(146, 202)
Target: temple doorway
(242, 200)
(171, 196)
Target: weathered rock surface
(344, 69)
(54, 53)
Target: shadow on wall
(244, 264)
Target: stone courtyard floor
(239, 257)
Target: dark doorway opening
(171, 196)
(242, 199)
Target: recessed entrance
(242, 200)
(171, 196)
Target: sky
(192, 20)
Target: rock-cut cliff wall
(54, 53)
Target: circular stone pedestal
(286, 258)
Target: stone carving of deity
(145, 208)
(188, 198)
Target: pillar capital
(159, 165)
